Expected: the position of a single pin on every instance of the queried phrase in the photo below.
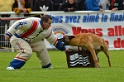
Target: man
(117, 5)
(111, 4)
(57, 4)
(81, 5)
(27, 35)
(70, 5)
(92, 5)
(104, 4)
(6, 6)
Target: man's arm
(52, 38)
(12, 29)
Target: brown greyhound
(91, 42)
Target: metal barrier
(5, 22)
(4, 25)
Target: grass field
(32, 71)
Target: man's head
(71, 1)
(46, 21)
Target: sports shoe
(50, 67)
(10, 68)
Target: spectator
(117, 5)
(5, 6)
(92, 5)
(32, 3)
(69, 5)
(104, 4)
(81, 4)
(57, 4)
(98, 1)
(21, 6)
(43, 5)
(111, 4)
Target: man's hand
(101, 10)
(114, 9)
(66, 49)
(69, 9)
(7, 38)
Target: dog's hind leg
(106, 51)
(108, 56)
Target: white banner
(108, 25)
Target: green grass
(32, 71)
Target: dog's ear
(71, 37)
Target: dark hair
(46, 18)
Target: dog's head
(67, 39)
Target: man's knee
(28, 53)
(25, 55)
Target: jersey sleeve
(52, 38)
(14, 27)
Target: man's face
(22, 2)
(46, 25)
(71, 1)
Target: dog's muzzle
(64, 41)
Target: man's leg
(24, 54)
(42, 54)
